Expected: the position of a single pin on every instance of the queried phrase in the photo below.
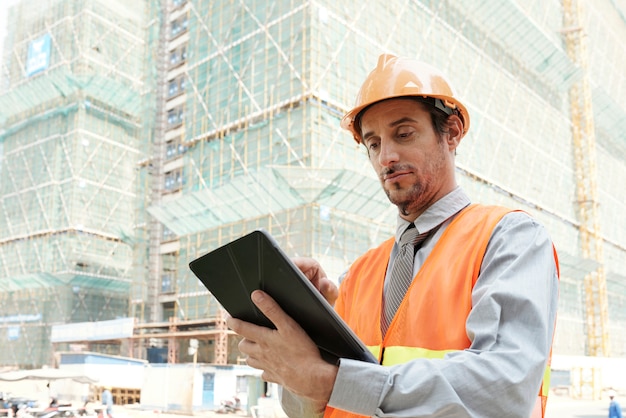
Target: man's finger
(246, 329)
(270, 309)
(329, 290)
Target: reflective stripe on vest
(399, 355)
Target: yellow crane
(584, 143)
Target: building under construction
(138, 136)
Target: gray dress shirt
(510, 327)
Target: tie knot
(409, 236)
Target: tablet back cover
(255, 261)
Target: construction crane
(584, 142)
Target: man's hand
(286, 354)
(314, 272)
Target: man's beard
(411, 199)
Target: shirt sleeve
(510, 327)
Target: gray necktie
(401, 274)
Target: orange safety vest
(448, 274)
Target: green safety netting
(49, 281)
(576, 267)
(30, 281)
(610, 117)
(100, 283)
(60, 84)
(268, 190)
(542, 52)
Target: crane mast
(584, 145)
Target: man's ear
(455, 132)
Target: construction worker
(615, 410)
(470, 333)
(107, 402)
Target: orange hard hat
(401, 77)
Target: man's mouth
(394, 175)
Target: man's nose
(388, 153)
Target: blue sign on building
(13, 333)
(38, 55)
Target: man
(615, 410)
(469, 333)
(53, 397)
(107, 402)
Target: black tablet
(255, 261)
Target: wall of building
(186, 388)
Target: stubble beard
(418, 195)
(412, 197)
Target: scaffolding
(234, 127)
(71, 122)
(265, 86)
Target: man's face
(415, 165)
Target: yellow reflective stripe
(545, 387)
(375, 350)
(398, 354)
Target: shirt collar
(436, 213)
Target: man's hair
(438, 118)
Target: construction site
(137, 136)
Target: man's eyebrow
(401, 121)
(366, 135)
(391, 125)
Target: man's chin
(403, 198)
(397, 198)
